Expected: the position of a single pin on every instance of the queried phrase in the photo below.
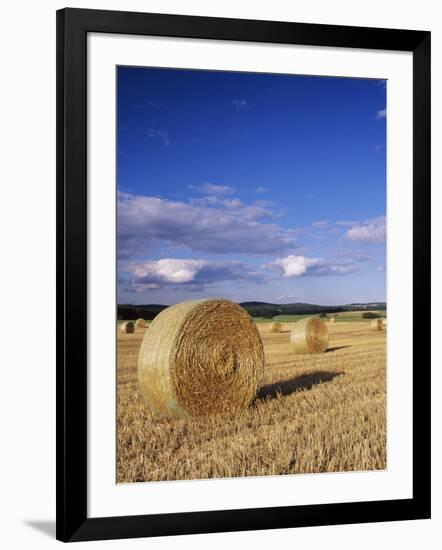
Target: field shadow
(292, 385)
(336, 348)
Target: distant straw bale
(140, 323)
(377, 324)
(276, 327)
(384, 324)
(309, 335)
(127, 328)
(200, 357)
(333, 320)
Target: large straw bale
(200, 357)
(127, 328)
(276, 327)
(309, 335)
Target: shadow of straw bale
(336, 348)
(287, 387)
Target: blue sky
(250, 187)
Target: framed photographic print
(243, 303)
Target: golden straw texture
(200, 357)
(139, 323)
(377, 324)
(384, 324)
(309, 335)
(333, 320)
(127, 328)
(276, 327)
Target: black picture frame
(73, 25)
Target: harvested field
(313, 413)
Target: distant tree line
(127, 312)
(370, 315)
(255, 309)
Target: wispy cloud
(212, 189)
(321, 224)
(231, 205)
(264, 203)
(324, 229)
(228, 226)
(301, 266)
(346, 223)
(354, 255)
(382, 113)
(371, 231)
(261, 190)
(240, 104)
(160, 135)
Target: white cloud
(380, 268)
(300, 266)
(382, 113)
(261, 190)
(371, 231)
(293, 266)
(194, 274)
(167, 270)
(221, 227)
(232, 203)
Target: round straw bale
(139, 323)
(127, 328)
(384, 324)
(276, 327)
(333, 320)
(309, 335)
(377, 324)
(200, 357)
